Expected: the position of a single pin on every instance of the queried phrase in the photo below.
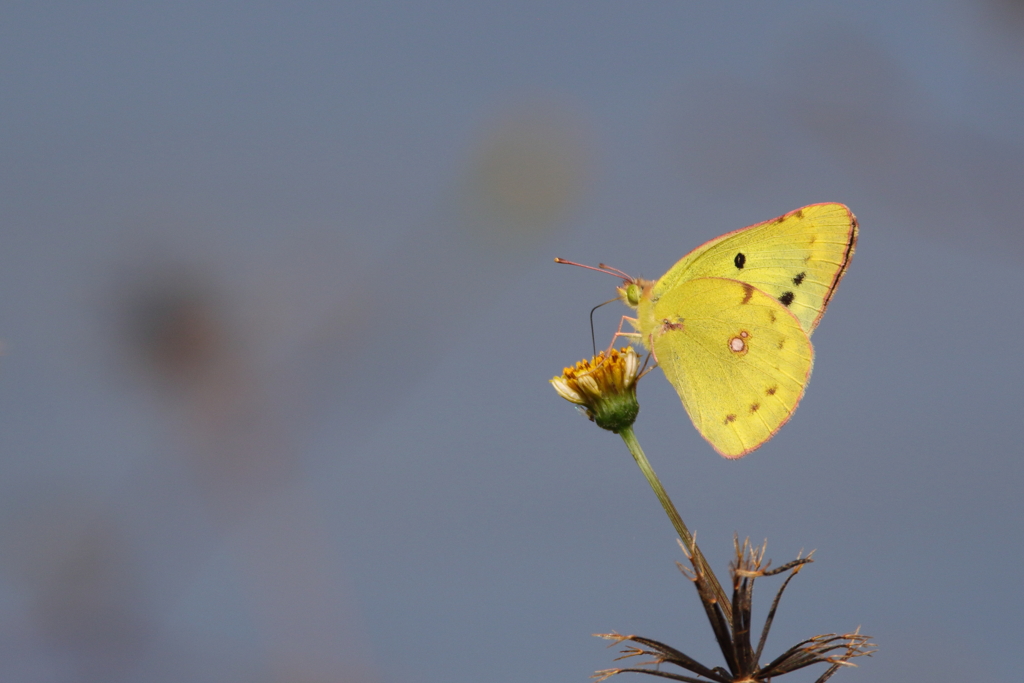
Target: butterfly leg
(633, 337)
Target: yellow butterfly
(730, 323)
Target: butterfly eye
(633, 293)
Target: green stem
(700, 564)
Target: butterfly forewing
(738, 358)
(798, 259)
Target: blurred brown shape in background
(526, 173)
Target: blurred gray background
(278, 311)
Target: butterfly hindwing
(738, 358)
(798, 259)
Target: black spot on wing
(799, 279)
(740, 260)
(786, 298)
(754, 407)
(730, 418)
(770, 391)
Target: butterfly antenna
(602, 268)
(614, 271)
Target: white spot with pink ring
(736, 344)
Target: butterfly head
(633, 290)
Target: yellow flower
(604, 386)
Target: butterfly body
(730, 323)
